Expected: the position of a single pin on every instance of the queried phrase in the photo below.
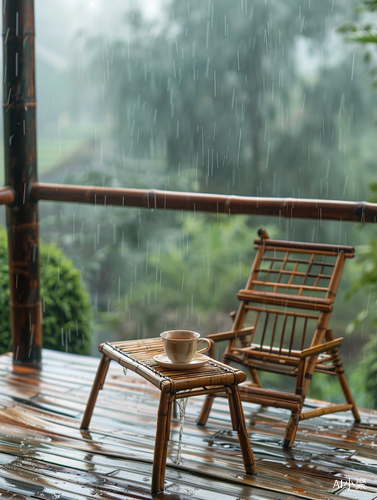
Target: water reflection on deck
(44, 455)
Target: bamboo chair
(281, 326)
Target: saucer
(197, 362)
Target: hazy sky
(57, 22)
(62, 19)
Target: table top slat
(137, 355)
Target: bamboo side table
(174, 384)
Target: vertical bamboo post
(19, 111)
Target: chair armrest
(217, 337)
(318, 349)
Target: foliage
(216, 98)
(243, 98)
(365, 32)
(366, 280)
(364, 373)
(363, 377)
(369, 373)
(65, 304)
(191, 280)
(218, 93)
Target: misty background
(246, 97)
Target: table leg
(206, 408)
(161, 443)
(238, 423)
(97, 386)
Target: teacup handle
(208, 342)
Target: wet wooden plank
(44, 454)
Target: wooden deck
(44, 455)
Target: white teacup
(181, 345)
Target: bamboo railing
(6, 195)
(155, 199)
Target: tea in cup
(181, 345)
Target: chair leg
(206, 408)
(97, 386)
(336, 361)
(255, 377)
(304, 375)
(238, 424)
(337, 364)
(161, 443)
(291, 430)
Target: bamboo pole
(318, 412)
(171, 200)
(161, 443)
(19, 110)
(96, 387)
(238, 424)
(303, 248)
(286, 300)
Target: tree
(215, 91)
(363, 30)
(216, 99)
(190, 279)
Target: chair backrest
(290, 294)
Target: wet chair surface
(174, 384)
(281, 326)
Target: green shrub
(367, 281)
(65, 302)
